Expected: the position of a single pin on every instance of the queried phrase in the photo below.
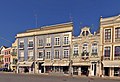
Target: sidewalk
(66, 75)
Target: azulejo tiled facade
(55, 50)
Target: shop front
(111, 68)
(26, 67)
(81, 68)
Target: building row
(55, 50)
(8, 58)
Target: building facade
(46, 49)
(7, 58)
(14, 59)
(110, 40)
(54, 49)
(86, 53)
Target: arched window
(85, 47)
(83, 33)
(87, 33)
(94, 49)
(75, 51)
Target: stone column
(111, 71)
(44, 69)
(79, 71)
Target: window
(107, 34)
(75, 50)
(83, 33)
(30, 44)
(40, 54)
(48, 41)
(66, 40)
(21, 55)
(30, 53)
(9, 60)
(40, 42)
(85, 50)
(21, 45)
(57, 41)
(48, 55)
(107, 52)
(94, 49)
(117, 50)
(117, 32)
(85, 47)
(66, 53)
(56, 54)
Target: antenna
(5, 39)
(36, 21)
(71, 18)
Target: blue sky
(19, 15)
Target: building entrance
(94, 69)
(106, 71)
(84, 70)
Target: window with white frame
(40, 42)
(57, 54)
(21, 54)
(85, 50)
(66, 53)
(94, 49)
(57, 40)
(117, 50)
(66, 40)
(75, 50)
(117, 33)
(48, 55)
(85, 47)
(30, 43)
(107, 51)
(21, 44)
(40, 54)
(30, 53)
(107, 34)
(48, 41)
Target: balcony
(21, 47)
(14, 53)
(117, 58)
(75, 54)
(94, 54)
(30, 46)
(117, 39)
(85, 55)
(2, 62)
(106, 58)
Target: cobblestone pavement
(9, 77)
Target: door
(106, 71)
(93, 72)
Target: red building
(7, 58)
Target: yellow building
(13, 60)
(110, 40)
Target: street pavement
(10, 77)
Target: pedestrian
(87, 74)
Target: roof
(50, 27)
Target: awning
(61, 64)
(47, 64)
(25, 64)
(82, 64)
(111, 64)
